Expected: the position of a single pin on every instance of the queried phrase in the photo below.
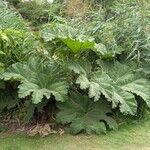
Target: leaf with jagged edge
(85, 115)
(126, 77)
(38, 80)
(80, 67)
(140, 87)
(97, 82)
(118, 83)
(127, 102)
(71, 37)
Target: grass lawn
(129, 137)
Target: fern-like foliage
(85, 115)
(118, 84)
(38, 79)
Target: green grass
(129, 137)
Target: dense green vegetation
(86, 71)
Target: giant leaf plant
(119, 84)
(85, 115)
(39, 79)
(71, 37)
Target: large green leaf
(71, 37)
(126, 77)
(77, 45)
(85, 115)
(39, 79)
(117, 83)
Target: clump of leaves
(68, 41)
(10, 19)
(119, 33)
(84, 114)
(39, 79)
(16, 42)
(73, 38)
(38, 13)
(118, 84)
(15, 46)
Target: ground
(135, 136)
